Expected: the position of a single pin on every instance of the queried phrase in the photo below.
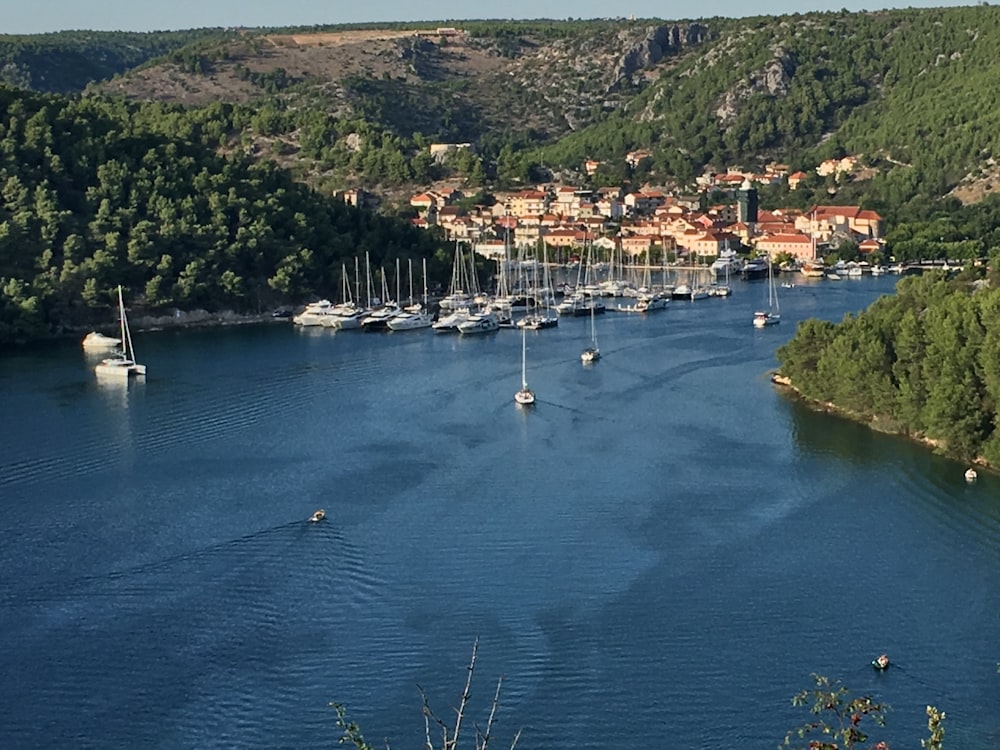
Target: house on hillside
(823, 222)
(795, 178)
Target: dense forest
(924, 362)
(98, 193)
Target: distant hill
(910, 92)
(68, 61)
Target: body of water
(658, 554)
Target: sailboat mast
(357, 281)
(425, 283)
(524, 356)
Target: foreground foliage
(924, 362)
(449, 733)
(842, 721)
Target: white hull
(94, 341)
(410, 322)
(124, 365)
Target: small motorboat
(96, 341)
(318, 516)
(881, 662)
(971, 475)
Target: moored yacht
(95, 341)
(486, 321)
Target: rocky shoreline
(875, 423)
(199, 319)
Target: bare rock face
(774, 79)
(655, 44)
(354, 142)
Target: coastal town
(720, 216)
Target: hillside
(910, 93)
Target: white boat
(592, 353)
(448, 322)
(411, 319)
(314, 313)
(813, 269)
(651, 301)
(771, 316)
(525, 396)
(481, 322)
(971, 475)
(728, 262)
(95, 341)
(123, 365)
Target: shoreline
(876, 423)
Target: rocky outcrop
(774, 79)
(656, 43)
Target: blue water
(660, 552)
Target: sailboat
(591, 353)
(771, 316)
(525, 396)
(123, 365)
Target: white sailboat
(771, 316)
(591, 353)
(414, 315)
(124, 364)
(525, 396)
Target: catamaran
(123, 365)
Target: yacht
(95, 341)
(650, 302)
(314, 313)
(481, 322)
(728, 263)
(449, 322)
(410, 319)
(756, 268)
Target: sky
(40, 16)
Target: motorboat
(482, 322)
(651, 301)
(756, 268)
(449, 322)
(410, 319)
(95, 341)
(881, 662)
(314, 313)
(727, 263)
(318, 516)
(971, 475)
(538, 321)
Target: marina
(653, 534)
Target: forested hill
(911, 92)
(68, 61)
(97, 193)
(924, 362)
